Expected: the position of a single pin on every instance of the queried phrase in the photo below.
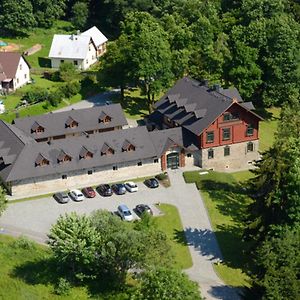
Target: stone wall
(239, 158)
(79, 179)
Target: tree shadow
(44, 62)
(226, 292)
(134, 106)
(268, 116)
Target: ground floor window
(75, 63)
(210, 153)
(155, 160)
(64, 176)
(173, 160)
(250, 147)
(227, 151)
(115, 168)
(90, 172)
(189, 155)
(139, 163)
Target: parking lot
(35, 217)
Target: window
(62, 61)
(230, 116)
(90, 172)
(139, 163)
(210, 137)
(115, 168)
(17, 80)
(87, 61)
(210, 153)
(20, 66)
(75, 63)
(25, 76)
(64, 177)
(155, 160)
(226, 134)
(250, 147)
(250, 130)
(227, 151)
(189, 155)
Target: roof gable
(97, 36)
(9, 62)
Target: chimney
(72, 36)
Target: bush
(55, 97)
(36, 95)
(23, 243)
(162, 176)
(66, 71)
(70, 89)
(63, 287)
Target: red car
(89, 192)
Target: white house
(82, 49)
(14, 71)
(99, 39)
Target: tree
(3, 200)
(276, 186)
(165, 284)
(278, 260)
(80, 13)
(74, 242)
(115, 67)
(67, 71)
(150, 54)
(16, 16)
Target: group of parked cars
(106, 190)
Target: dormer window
(41, 161)
(107, 150)
(127, 146)
(104, 118)
(37, 128)
(85, 154)
(63, 157)
(71, 123)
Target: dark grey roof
(164, 139)
(87, 119)
(24, 166)
(248, 105)
(195, 106)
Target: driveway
(34, 218)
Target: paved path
(201, 239)
(34, 219)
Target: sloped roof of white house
(69, 46)
(97, 36)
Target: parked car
(89, 192)
(131, 186)
(143, 208)
(125, 212)
(152, 183)
(61, 197)
(119, 188)
(76, 195)
(104, 190)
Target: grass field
(171, 224)
(226, 201)
(41, 36)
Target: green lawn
(171, 224)
(268, 128)
(226, 201)
(28, 273)
(41, 36)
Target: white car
(76, 195)
(131, 186)
(125, 212)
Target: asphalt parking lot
(35, 217)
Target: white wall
(91, 57)
(22, 75)
(55, 62)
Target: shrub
(55, 97)
(70, 89)
(66, 71)
(62, 287)
(36, 95)
(162, 176)
(23, 243)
